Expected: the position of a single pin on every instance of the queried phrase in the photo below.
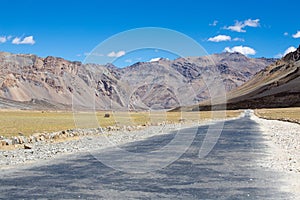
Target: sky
(72, 29)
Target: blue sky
(72, 29)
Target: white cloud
(154, 59)
(26, 40)
(251, 23)
(128, 61)
(241, 49)
(116, 54)
(215, 22)
(239, 26)
(219, 38)
(3, 39)
(16, 40)
(222, 38)
(288, 50)
(238, 39)
(285, 33)
(93, 54)
(297, 35)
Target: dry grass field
(13, 122)
(286, 114)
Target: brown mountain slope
(276, 86)
(54, 82)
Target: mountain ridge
(275, 86)
(162, 84)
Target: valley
(150, 100)
(52, 108)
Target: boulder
(2, 143)
(23, 139)
(32, 139)
(27, 146)
(8, 141)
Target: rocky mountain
(273, 87)
(30, 82)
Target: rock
(106, 115)
(146, 124)
(99, 130)
(2, 143)
(42, 138)
(8, 141)
(129, 128)
(27, 146)
(32, 139)
(21, 140)
(15, 140)
(182, 120)
(55, 136)
(112, 128)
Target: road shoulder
(283, 145)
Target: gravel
(283, 142)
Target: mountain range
(30, 82)
(273, 87)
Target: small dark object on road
(27, 146)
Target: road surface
(230, 171)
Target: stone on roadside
(8, 141)
(27, 146)
(32, 139)
(130, 128)
(2, 143)
(21, 139)
(42, 138)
